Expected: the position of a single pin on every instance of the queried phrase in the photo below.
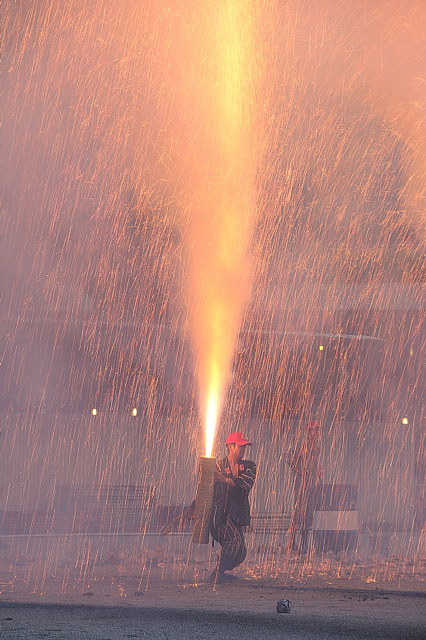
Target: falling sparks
(213, 211)
(217, 152)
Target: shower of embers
(104, 160)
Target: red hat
(237, 438)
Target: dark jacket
(231, 502)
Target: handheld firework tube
(204, 500)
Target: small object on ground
(88, 593)
(139, 593)
(283, 606)
(8, 618)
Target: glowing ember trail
(218, 192)
(174, 177)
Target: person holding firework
(230, 513)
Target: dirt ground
(245, 608)
(104, 589)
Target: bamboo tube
(204, 500)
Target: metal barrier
(262, 522)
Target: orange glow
(159, 173)
(211, 420)
(213, 402)
(216, 153)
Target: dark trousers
(231, 538)
(308, 497)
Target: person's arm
(247, 477)
(219, 477)
(244, 480)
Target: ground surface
(240, 610)
(97, 588)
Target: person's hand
(219, 477)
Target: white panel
(335, 521)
